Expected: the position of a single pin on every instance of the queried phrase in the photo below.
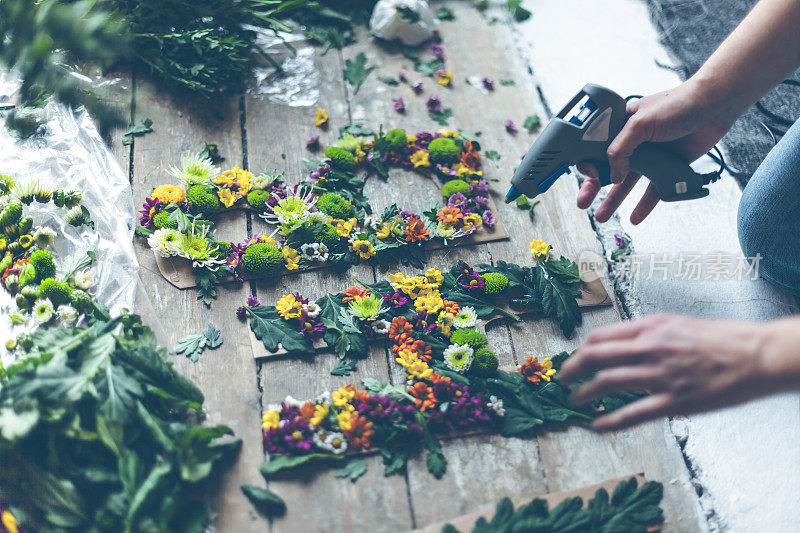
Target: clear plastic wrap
(70, 153)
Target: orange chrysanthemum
(400, 330)
(536, 372)
(423, 396)
(438, 378)
(360, 432)
(470, 157)
(354, 293)
(451, 216)
(450, 308)
(307, 410)
(422, 350)
(416, 232)
(361, 396)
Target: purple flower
(311, 328)
(151, 205)
(293, 435)
(395, 299)
(399, 105)
(403, 76)
(317, 174)
(511, 127)
(488, 218)
(424, 138)
(253, 301)
(437, 49)
(461, 408)
(620, 241)
(479, 188)
(313, 142)
(456, 200)
(441, 169)
(481, 200)
(434, 104)
(417, 86)
(241, 313)
(425, 321)
(488, 83)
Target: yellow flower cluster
(420, 158)
(341, 399)
(364, 249)
(539, 249)
(289, 307)
(320, 412)
(414, 366)
(270, 419)
(226, 180)
(343, 227)
(291, 258)
(424, 290)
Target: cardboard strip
(467, 522)
(593, 294)
(178, 271)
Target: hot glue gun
(581, 132)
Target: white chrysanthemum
(265, 179)
(194, 170)
(291, 211)
(496, 405)
(318, 216)
(165, 241)
(332, 441)
(25, 189)
(458, 357)
(84, 279)
(381, 327)
(67, 314)
(312, 310)
(292, 402)
(320, 252)
(44, 237)
(367, 308)
(309, 251)
(325, 397)
(42, 310)
(465, 318)
(444, 231)
(74, 216)
(274, 408)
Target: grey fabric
(692, 30)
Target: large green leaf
(273, 330)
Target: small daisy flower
(67, 314)
(458, 357)
(309, 251)
(467, 317)
(312, 310)
(292, 402)
(43, 237)
(84, 279)
(381, 327)
(496, 405)
(42, 311)
(320, 252)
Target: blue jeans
(769, 214)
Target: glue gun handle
(603, 171)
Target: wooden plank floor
(259, 135)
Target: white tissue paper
(411, 21)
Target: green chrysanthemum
(54, 290)
(194, 170)
(43, 264)
(468, 336)
(484, 362)
(335, 205)
(495, 282)
(262, 259)
(42, 311)
(367, 308)
(193, 247)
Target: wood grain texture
(227, 376)
(577, 456)
(317, 501)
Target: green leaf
(353, 469)
(355, 72)
(388, 80)
(441, 117)
(273, 330)
(137, 130)
(506, 82)
(265, 501)
(493, 155)
(437, 464)
(519, 13)
(277, 463)
(213, 337)
(343, 368)
(532, 123)
(429, 68)
(78, 260)
(355, 129)
(444, 13)
(191, 345)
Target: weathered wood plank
(577, 456)
(227, 376)
(276, 137)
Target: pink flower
(434, 104)
(488, 83)
(313, 142)
(417, 86)
(399, 105)
(437, 49)
(511, 127)
(403, 76)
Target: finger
(592, 358)
(623, 330)
(586, 195)
(621, 148)
(620, 379)
(646, 205)
(647, 408)
(615, 197)
(588, 169)
(632, 106)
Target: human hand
(679, 117)
(688, 365)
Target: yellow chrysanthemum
(289, 307)
(444, 77)
(226, 197)
(291, 258)
(420, 158)
(473, 219)
(343, 227)
(413, 365)
(345, 419)
(360, 155)
(364, 249)
(343, 395)
(268, 240)
(397, 281)
(384, 231)
(433, 277)
(9, 522)
(449, 133)
(320, 412)
(167, 194)
(411, 139)
(270, 420)
(417, 287)
(539, 249)
(430, 302)
(242, 178)
(320, 117)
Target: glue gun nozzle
(512, 194)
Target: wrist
(714, 102)
(778, 355)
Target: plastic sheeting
(71, 154)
